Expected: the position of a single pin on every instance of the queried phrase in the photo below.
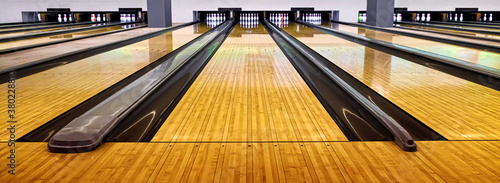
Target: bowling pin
(394, 17)
(485, 18)
(70, 18)
(59, 19)
(461, 16)
(133, 17)
(92, 18)
(456, 17)
(418, 17)
(428, 17)
(491, 17)
(104, 17)
(65, 18)
(399, 18)
(98, 17)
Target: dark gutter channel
(452, 28)
(47, 130)
(48, 27)
(449, 34)
(355, 122)
(481, 46)
(375, 119)
(63, 59)
(476, 73)
(140, 125)
(64, 31)
(21, 48)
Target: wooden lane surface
(34, 54)
(486, 58)
(249, 91)
(453, 107)
(454, 31)
(43, 30)
(447, 36)
(466, 27)
(25, 42)
(435, 161)
(45, 95)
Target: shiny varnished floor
(469, 38)
(465, 33)
(438, 161)
(47, 30)
(482, 57)
(249, 91)
(25, 42)
(249, 117)
(45, 95)
(455, 108)
(464, 27)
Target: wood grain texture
(467, 33)
(127, 162)
(43, 166)
(460, 161)
(26, 42)
(460, 109)
(477, 56)
(382, 162)
(22, 33)
(435, 161)
(249, 91)
(45, 95)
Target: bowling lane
(452, 37)
(45, 95)
(48, 30)
(44, 52)
(463, 27)
(464, 33)
(25, 42)
(453, 107)
(477, 56)
(249, 91)
(35, 25)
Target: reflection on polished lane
(453, 107)
(486, 58)
(249, 98)
(249, 91)
(25, 42)
(436, 161)
(497, 30)
(464, 33)
(48, 30)
(464, 37)
(45, 95)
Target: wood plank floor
(249, 91)
(467, 33)
(45, 95)
(455, 108)
(435, 161)
(481, 57)
(13, 44)
(31, 55)
(249, 117)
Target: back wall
(10, 10)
